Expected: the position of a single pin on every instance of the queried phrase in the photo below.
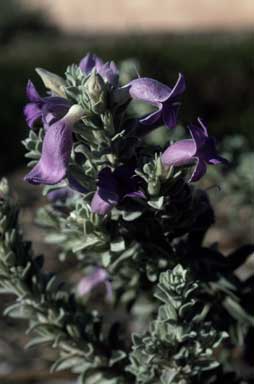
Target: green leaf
(117, 356)
(168, 376)
(15, 311)
(156, 203)
(117, 245)
(131, 216)
(39, 340)
(69, 362)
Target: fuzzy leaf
(52, 81)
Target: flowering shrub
(152, 304)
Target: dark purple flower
(63, 193)
(107, 70)
(48, 109)
(113, 187)
(75, 185)
(56, 150)
(90, 282)
(166, 99)
(201, 149)
(60, 194)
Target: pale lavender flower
(200, 150)
(108, 70)
(47, 109)
(92, 281)
(113, 187)
(56, 150)
(166, 99)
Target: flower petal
(88, 283)
(106, 195)
(169, 114)
(113, 187)
(199, 133)
(75, 185)
(179, 87)
(56, 150)
(56, 101)
(107, 184)
(149, 90)
(205, 145)
(32, 113)
(59, 194)
(89, 62)
(203, 126)
(32, 93)
(101, 206)
(109, 72)
(179, 153)
(218, 160)
(109, 290)
(126, 179)
(54, 109)
(153, 117)
(199, 171)
(136, 194)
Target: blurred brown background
(124, 16)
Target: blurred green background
(218, 67)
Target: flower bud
(74, 114)
(52, 81)
(95, 89)
(153, 187)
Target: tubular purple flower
(99, 276)
(48, 109)
(56, 150)
(166, 99)
(200, 150)
(108, 70)
(102, 205)
(113, 187)
(54, 109)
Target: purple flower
(113, 187)
(201, 149)
(99, 276)
(48, 109)
(107, 70)
(60, 194)
(166, 99)
(56, 150)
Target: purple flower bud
(108, 71)
(200, 150)
(56, 150)
(48, 109)
(113, 187)
(161, 96)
